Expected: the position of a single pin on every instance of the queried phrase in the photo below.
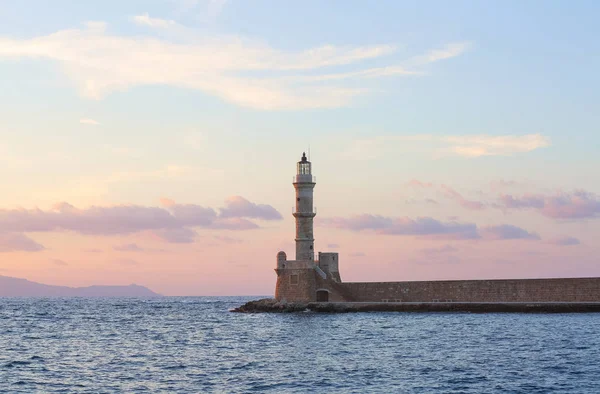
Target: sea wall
(509, 290)
(272, 305)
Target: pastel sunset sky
(154, 141)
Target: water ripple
(196, 345)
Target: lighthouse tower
(304, 211)
(307, 278)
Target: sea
(196, 345)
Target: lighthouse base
(305, 281)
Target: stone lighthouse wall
(304, 214)
(302, 282)
(297, 284)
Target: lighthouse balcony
(308, 212)
(304, 178)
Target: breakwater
(273, 306)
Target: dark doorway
(322, 296)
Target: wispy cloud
(222, 66)
(564, 241)
(421, 226)
(579, 204)
(507, 231)
(448, 192)
(172, 223)
(89, 121)
(449, 51)
(17, 242)
(485, 145)
(462, 201)
(426, 227)
(446, 145)
(146, 20)
(238, 206)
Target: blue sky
(127, 102)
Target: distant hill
(15, 287)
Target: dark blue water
(196, 345)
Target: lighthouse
(309, 277)
(313, 278)
(304, 211)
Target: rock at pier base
(274, 306)
(270, 305)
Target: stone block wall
(329, 264)
(337, 292)
(296, 285)
(301, 285)
(509, 290)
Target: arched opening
(322, 296)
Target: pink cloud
(123, 219)
(239, 207)
(172, 222)
(463, 202)
(233, 224)
(422, 226)
(192, 215)
(564, 241)
(426, 227)
(449, 193)
(17, 242)
(576, 205)
(527, 201)
(507, 231)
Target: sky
(154, 141)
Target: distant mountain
(15, 287)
